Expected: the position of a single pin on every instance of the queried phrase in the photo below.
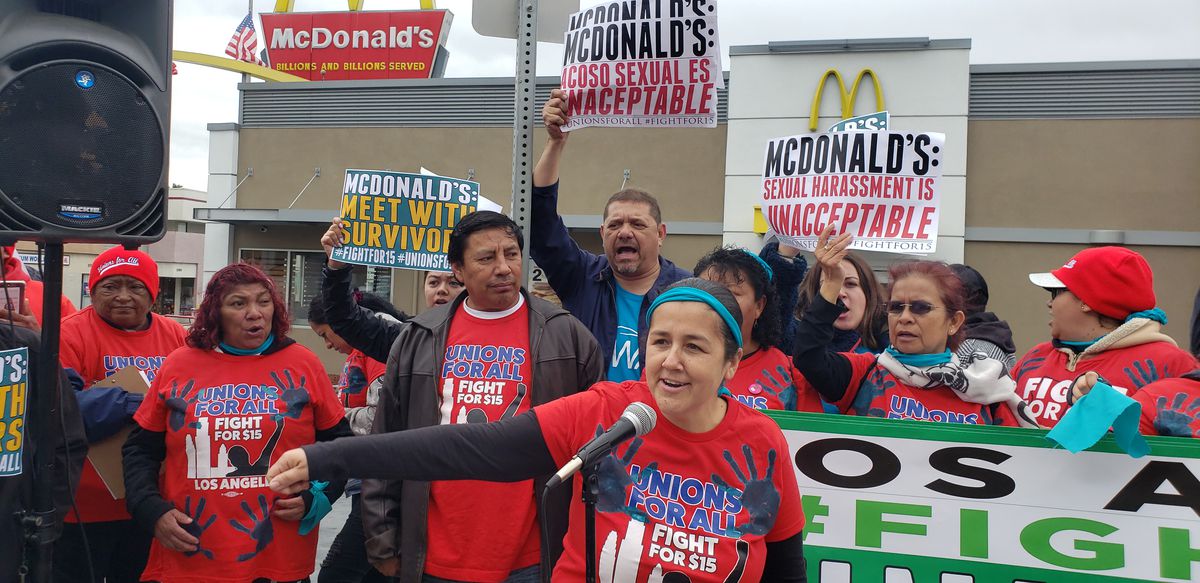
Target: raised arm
(550, 244)
(789, 267)
(357, 326)
(830, 373)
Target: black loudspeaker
(85, 103)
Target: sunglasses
(1057, 291)
(918, 308)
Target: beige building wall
(684, 168)
(1123, 175)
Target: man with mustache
(492, 353)
(609, 293)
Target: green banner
(891, 501)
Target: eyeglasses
(918, 308)
(1057, 291)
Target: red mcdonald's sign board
(336, 46)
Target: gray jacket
(566, 360)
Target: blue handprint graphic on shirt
(875, 385)
(1173, 419)
(197, 526)
(613, 479)
(295, 397)
(260, 528)
(782, 388)
(356, 380)
(1144, 372)
(177, 403)
(759, 496)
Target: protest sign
(882, 187)
(872, 122)
(911, 501)
(336, 46)
(402, 220)
(14, 399)
(649, 63)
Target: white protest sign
(648, 63)
(882, 187)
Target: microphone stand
(591, 493)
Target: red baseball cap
(121, 261)
(1114, 281)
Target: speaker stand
(40, 525)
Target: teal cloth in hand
(1091, 417)
(320, 507)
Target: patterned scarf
(980, 380)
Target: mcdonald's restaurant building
(1041, 161)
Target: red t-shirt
(1044, 379)
(96, 350)
(702, 505)
(481, 531)
(875, 392)
(1171, 407)
(33, 291)
(769, 380)
(227, 418)
(358, 373)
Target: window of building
(176, 296)
(298, 275)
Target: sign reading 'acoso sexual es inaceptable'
(329, 46)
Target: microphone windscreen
(642, 416)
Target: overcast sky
(1001, 31)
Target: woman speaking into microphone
(707, 495)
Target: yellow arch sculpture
(235, 66)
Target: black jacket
(70, 449)
(566, 359)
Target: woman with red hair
(220, 410)
(917, 377)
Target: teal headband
(692, 294)
(766, 268)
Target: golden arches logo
(846, 98)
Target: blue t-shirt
(626, 363)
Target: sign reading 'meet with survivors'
(652, 63)
(882, 187)
(14, 391)
(397, 219)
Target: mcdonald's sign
(846, 98)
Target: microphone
(637, 420)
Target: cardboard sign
(911, 501)
(648, 63)
(14, 401)
(105, 455)
(880, 186)
(402, 220)
(329, 46)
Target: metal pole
(45, 413)
(523, 119)
(250, 11)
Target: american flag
(244, 43)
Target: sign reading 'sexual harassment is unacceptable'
(402, 220)
(881, 187)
